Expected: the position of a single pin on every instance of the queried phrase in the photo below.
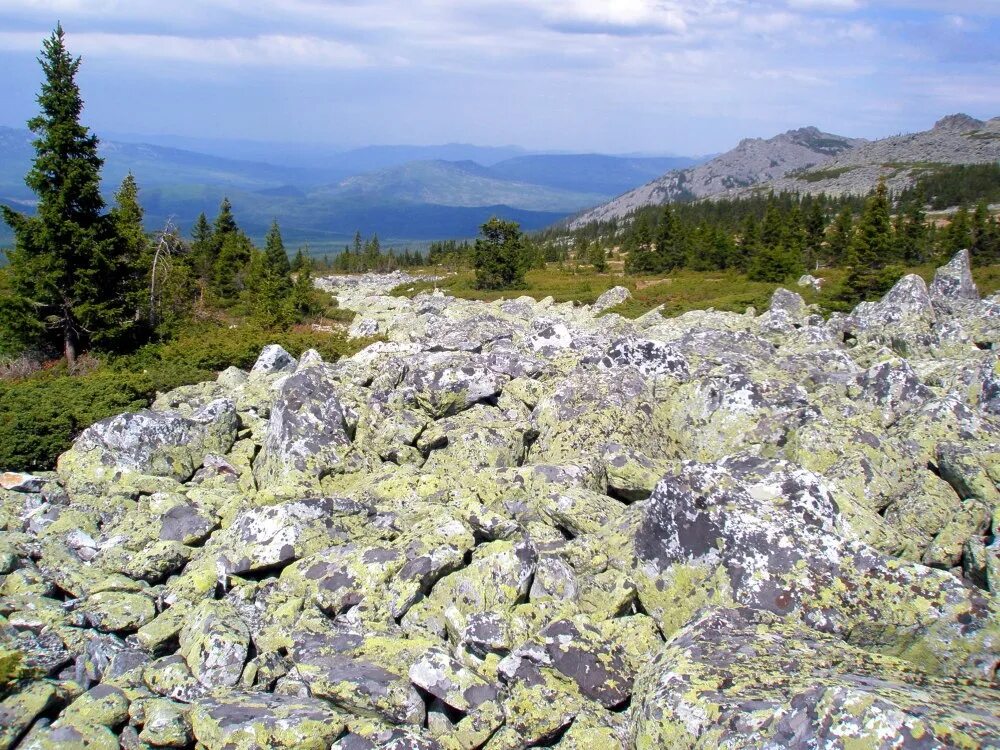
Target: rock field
(523, 524)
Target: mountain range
(401, 192)
(810, 161)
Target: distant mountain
(332, 198)
(342, 162)
(752, 162)
(462, 184)
(900, 160)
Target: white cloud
(272, 50)
(834, 5)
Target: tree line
(366, 256)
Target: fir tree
(70, 282)
(840, 236)
(958, 235)
(671, 244)
(225, 222)
(274, 252)
(134, 252)
(870, 248)
(598, 259)
(499, 255)
(203, 252)
(815, 232)
(910, 233)
(300, 261)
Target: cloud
(265, 50)
(834, 5)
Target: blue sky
(681, 76)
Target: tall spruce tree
(274, 251)
(203, 252)
(840, 235)
(70, 284)
(870, 249)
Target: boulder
(724, 681)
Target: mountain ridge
(750, 162)
(807, 160)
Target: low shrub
(40, 415)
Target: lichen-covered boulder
(249, 721)
(771, 544)
(274, 536)
(215, 642)
(744, 678)
(367, 674)
(307, 435)
(651, 358)
(146, 443)
(590, 409)
(446, 383)
(614, 296)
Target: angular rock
(725, 681)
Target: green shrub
(40, 415)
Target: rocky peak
(958, 123)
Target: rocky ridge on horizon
(899, 160)
(528, 524)
(754, 161)
(794, 162)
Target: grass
(818, 175)
(678, 292)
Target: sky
(645, 76)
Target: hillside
(752, 162)
(900, 160)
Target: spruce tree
(840, 236)
(203, 252)
(274, 251)
(499, 255)
(69, 286)
(870, 249)
(671, 243)
(133, 254)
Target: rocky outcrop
(752, 162)
(809, 161)
(525, 524)
(898, 160)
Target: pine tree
(274, 251)
(598, 259)
(203, 252)
(133, 255)
(870, 248)
(671, 243)
(69, 284)
(840, 236)
(499, 255)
